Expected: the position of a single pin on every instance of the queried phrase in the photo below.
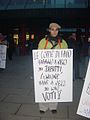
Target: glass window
(26, 4)
(17, 2)
(39, 1)
(3, 2)
(81, 3)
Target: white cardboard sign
(84, 104)
(3, 49)
(53, 75)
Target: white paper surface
(53, 76)
(84, 104)
(3, 56)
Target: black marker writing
(52, 95)
(49, 76)
(46, 54)
(53, 68)
(42, 82)
(88, 89)
(52, 61)
(63, 53)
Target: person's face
(53, 31)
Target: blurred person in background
(11, 46)
(84, 58)
(74, 44)
(3, 40)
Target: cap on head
(54, 25)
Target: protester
(11, 46)
(51, 41)
(3, 40)
(73, 44)
(84, 59)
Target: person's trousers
(83, 66)
(76, 68)
(46, 106)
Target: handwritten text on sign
(53, 75)
(3, 56)
(84, 105)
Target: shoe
(42, 111)
(54, 111)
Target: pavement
(17, 94)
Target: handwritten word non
(43, 82)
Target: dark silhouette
(10, 49)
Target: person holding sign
(3, 49)
(51, 41)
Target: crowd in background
(79, 42)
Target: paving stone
(31, 93)
(14, 91)
(63, 119)
(17, 87)
(2, 96)
(16, 84)
(33, 110)
(78, 85)
(22, 99)
(5, 116)
(9, 107)
(15, 117)
(52, 119)
(73, 115)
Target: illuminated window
(27, 36)
(32, 36)
(16, 37)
